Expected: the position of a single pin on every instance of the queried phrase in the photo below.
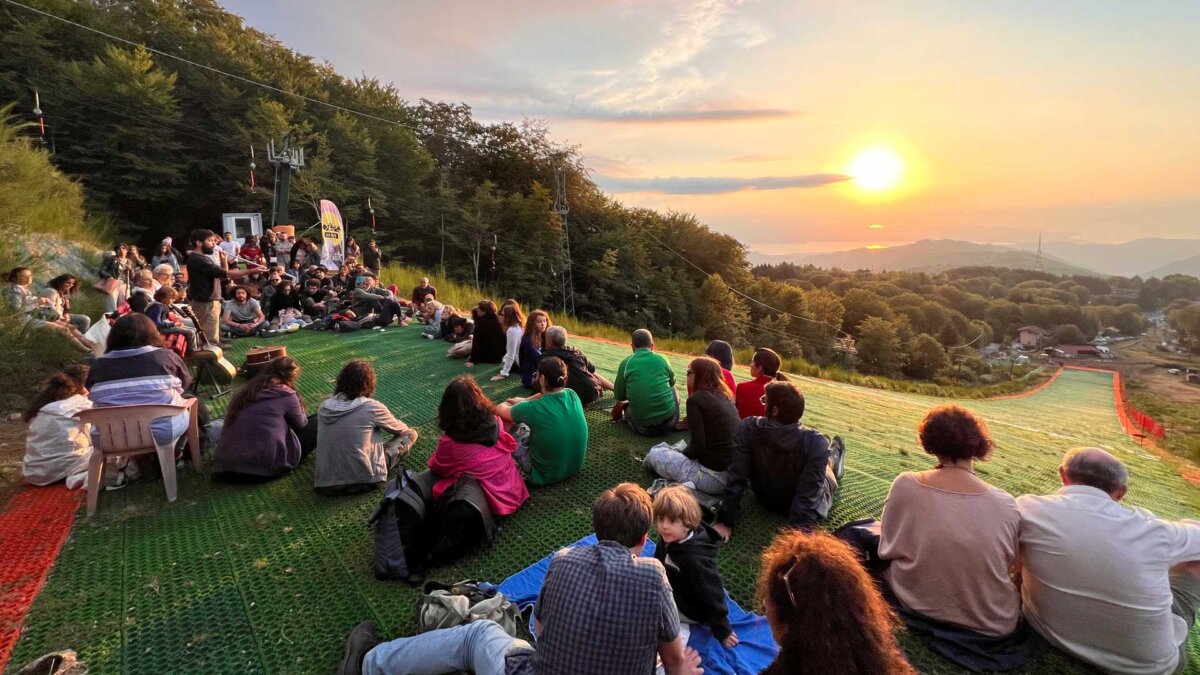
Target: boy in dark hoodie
(687, 548)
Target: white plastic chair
(125, 430)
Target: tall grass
(464, 296)
(35, 199)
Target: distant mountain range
(1146, 257)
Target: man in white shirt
(231, 248)
(1112, 585)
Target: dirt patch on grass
(12, 447)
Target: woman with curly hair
(351, 453)
(826, 613)
(950, 536)
(266, 431)
(475, 443)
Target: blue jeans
(480, 647)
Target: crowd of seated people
(989, 575)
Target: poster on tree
(333, 251)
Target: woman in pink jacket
(476, 444)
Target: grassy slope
(270, 578)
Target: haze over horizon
(1073, 120)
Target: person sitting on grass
(1112, 585)
(57, 444)
(513, 320)
(603, 610)
(582, 377)
(951, 537)
(550, 427)
(285, 298)
(433, 330)
(475, 443)
(421, 294)
(826, 613)
(533, 341)
(713, 423)
(166, 319)
(645, 389)
(243, 316)
(687, 548)
(793, 469)
(749, 396)
(351, 454)
(488, 344)
(315, 301)
(32, 308)
(59, 291)
(722, 351)
(370, 298)
(266, 431)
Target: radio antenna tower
(560, 206)
(1037, 264)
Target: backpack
(401, 524)
(446, 606)
(464, 522)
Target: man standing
(603, 610)
(231, 248)
(204, 282)
(1112, 585)
(645, 389)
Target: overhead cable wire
(218, 71)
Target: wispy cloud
(677, 115)
(711, 185)
(754, 159)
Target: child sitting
(57, 444)
(687, 548)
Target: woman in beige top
(950, 536)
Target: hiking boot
(362, 639)
(838, 449)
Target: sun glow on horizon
(877, 169)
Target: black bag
(464, 523)
(863, 536)
(402, 525)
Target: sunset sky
(1073, 119)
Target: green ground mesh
(271, 578)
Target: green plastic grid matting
(272, 577)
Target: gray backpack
(401, 524)
(446, 606)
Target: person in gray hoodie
(369, 298)
(351, 454)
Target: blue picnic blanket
(754, 652)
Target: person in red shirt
(748, 396)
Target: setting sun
(876, 169)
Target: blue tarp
(755, 651)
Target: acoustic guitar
(259, 357)
(210, 359)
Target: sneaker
(116, 483)
(838, 449)
(293, 328)
(362, 639)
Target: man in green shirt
(550, 428)
(645, 389)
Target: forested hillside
(156, 115)
(163, 146)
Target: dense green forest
(162, 146)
